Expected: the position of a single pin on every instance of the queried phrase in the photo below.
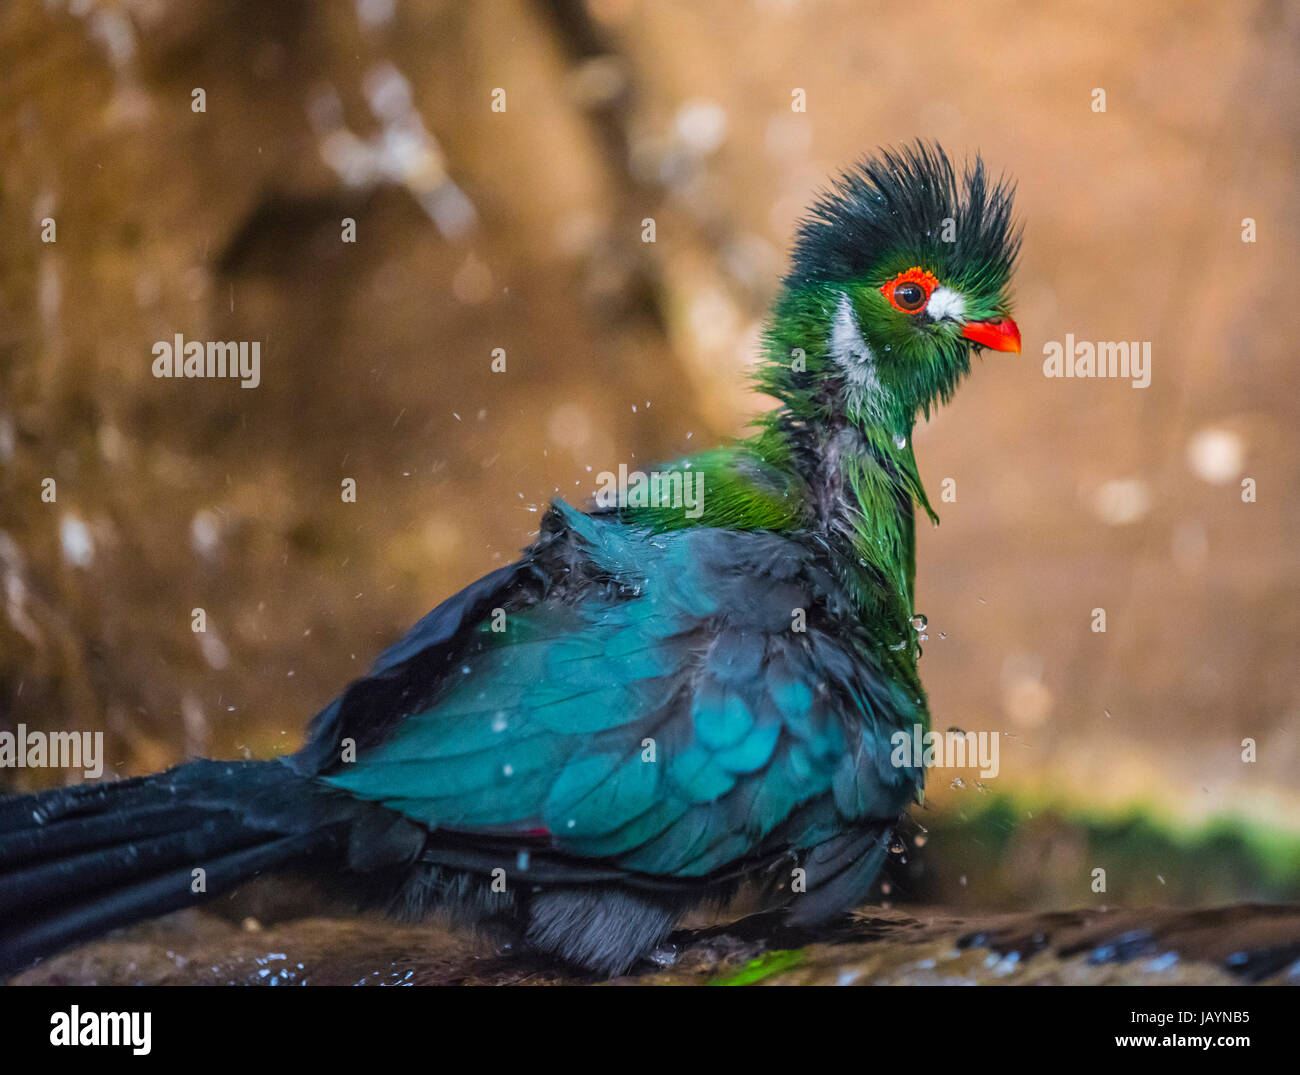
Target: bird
(656, 706)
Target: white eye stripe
(945, 303)
(847, 346)
(853, 355)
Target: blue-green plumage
(651, 706)
(663, 697)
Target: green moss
(1021, 849)
(765, 966)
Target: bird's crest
(907, 206)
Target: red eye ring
(912, 299)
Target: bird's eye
(910, 291)
(909, 296)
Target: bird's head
(899, 271)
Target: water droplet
(1163, 962)
(900, 441)
(665, 955)
(919, 622)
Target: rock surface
(1243, 944)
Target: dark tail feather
(839, 874)
(77, 861)
(145, 899)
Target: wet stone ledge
(1242, 944)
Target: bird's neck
(853, 452)
(862, 493)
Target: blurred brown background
(479, 229)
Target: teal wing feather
(666, 717)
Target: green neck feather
(851, 443)
(838, 464)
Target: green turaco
(653, 705)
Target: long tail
(78, 861)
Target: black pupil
(909, 296)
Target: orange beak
(999, 335)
